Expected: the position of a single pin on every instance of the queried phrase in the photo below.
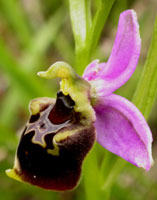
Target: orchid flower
(60, 132)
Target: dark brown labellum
(53, 146)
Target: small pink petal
(123, 59)
(123, 130)
(91, 70)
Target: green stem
(92, 176)
(108, 161)
(100, 18)
(93, 34)
(80, 21)
(88, 15)
(116, 169)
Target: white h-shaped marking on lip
(47, 128)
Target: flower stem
(116, 169)
(87, 32)
(79, 26)
(100, 18)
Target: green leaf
(88, 15)
(31, 57)
(64, 48)
(78, 19)
(91, 176)
(7, 137)
(15, 16)
(26, 82)
(40, 42)
(100, 18)
(9, 108)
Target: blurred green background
(33, 35)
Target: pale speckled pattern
(120, 126)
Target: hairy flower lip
(51, 156)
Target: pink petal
(123, 59)
(123, 130)
(91, 71)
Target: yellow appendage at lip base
(12, 174)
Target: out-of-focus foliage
(33, 35)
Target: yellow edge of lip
(12, 174)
